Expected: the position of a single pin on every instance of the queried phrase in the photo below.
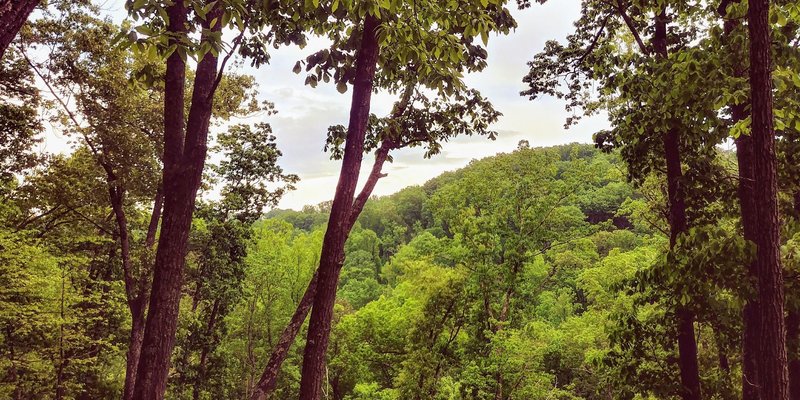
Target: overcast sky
(305, 113)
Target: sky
(304, 113)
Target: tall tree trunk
(13, 14)
(751, 314)
(134, 352)
(266, 383)
(184, 159)
(793, 333)
(687, 343)
(138, 305)
(270, 376)
(793, 350)
(773, 373)
(744, 158)
(332, 255)
(201, 367)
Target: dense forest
(151, 259)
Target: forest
(153, 259)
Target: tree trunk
(184, 159)
(793, 333)
(751, 314)
(270, 376)
(134, 352)
(332, 255)
(138, 305)
(744, 158)
(687, 344)
(771, 358)
(793, 350)
(13, 14)
(201, 367)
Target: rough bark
(134, 352)
(138, 305)
(13, 14)
(751, 314)
(793, 333)
(184, 159)
(744, 156)
(771, 358)
(793, 348)
(266, 383)
(332, 255)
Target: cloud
(304, 113)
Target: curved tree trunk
(333, 244)
(270, 376)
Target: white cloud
(305, 113)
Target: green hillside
(509, 276)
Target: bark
(138, 305)
(793, 348)
(184, 159)
(155, 217)
(744, 157)
(13, 14)
(793, 334)
(771, 358)
(134, 352)
(687, 343)
(266, 383)
(751, 314)
(201, 367)
(332, 256)
(269, 378)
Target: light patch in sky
(304, 113)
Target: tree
(13, 15)
(771, 360)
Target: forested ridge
(150, 260)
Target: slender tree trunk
(155, 217)
(269, 378)
(13, 14)
(744, 158)
(184, 159)
(201, 367)
(266, 383)
(751, 314)
(687, 343)
(134, 352)
(138, 305)
(772, 364)
(332, 256)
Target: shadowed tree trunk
(184, 159)
(771, 358)
(687, 344)
(332, 255)
(13, 14)
(793, 333)
(793, 350)
(744, 157)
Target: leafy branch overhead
(424, 122)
